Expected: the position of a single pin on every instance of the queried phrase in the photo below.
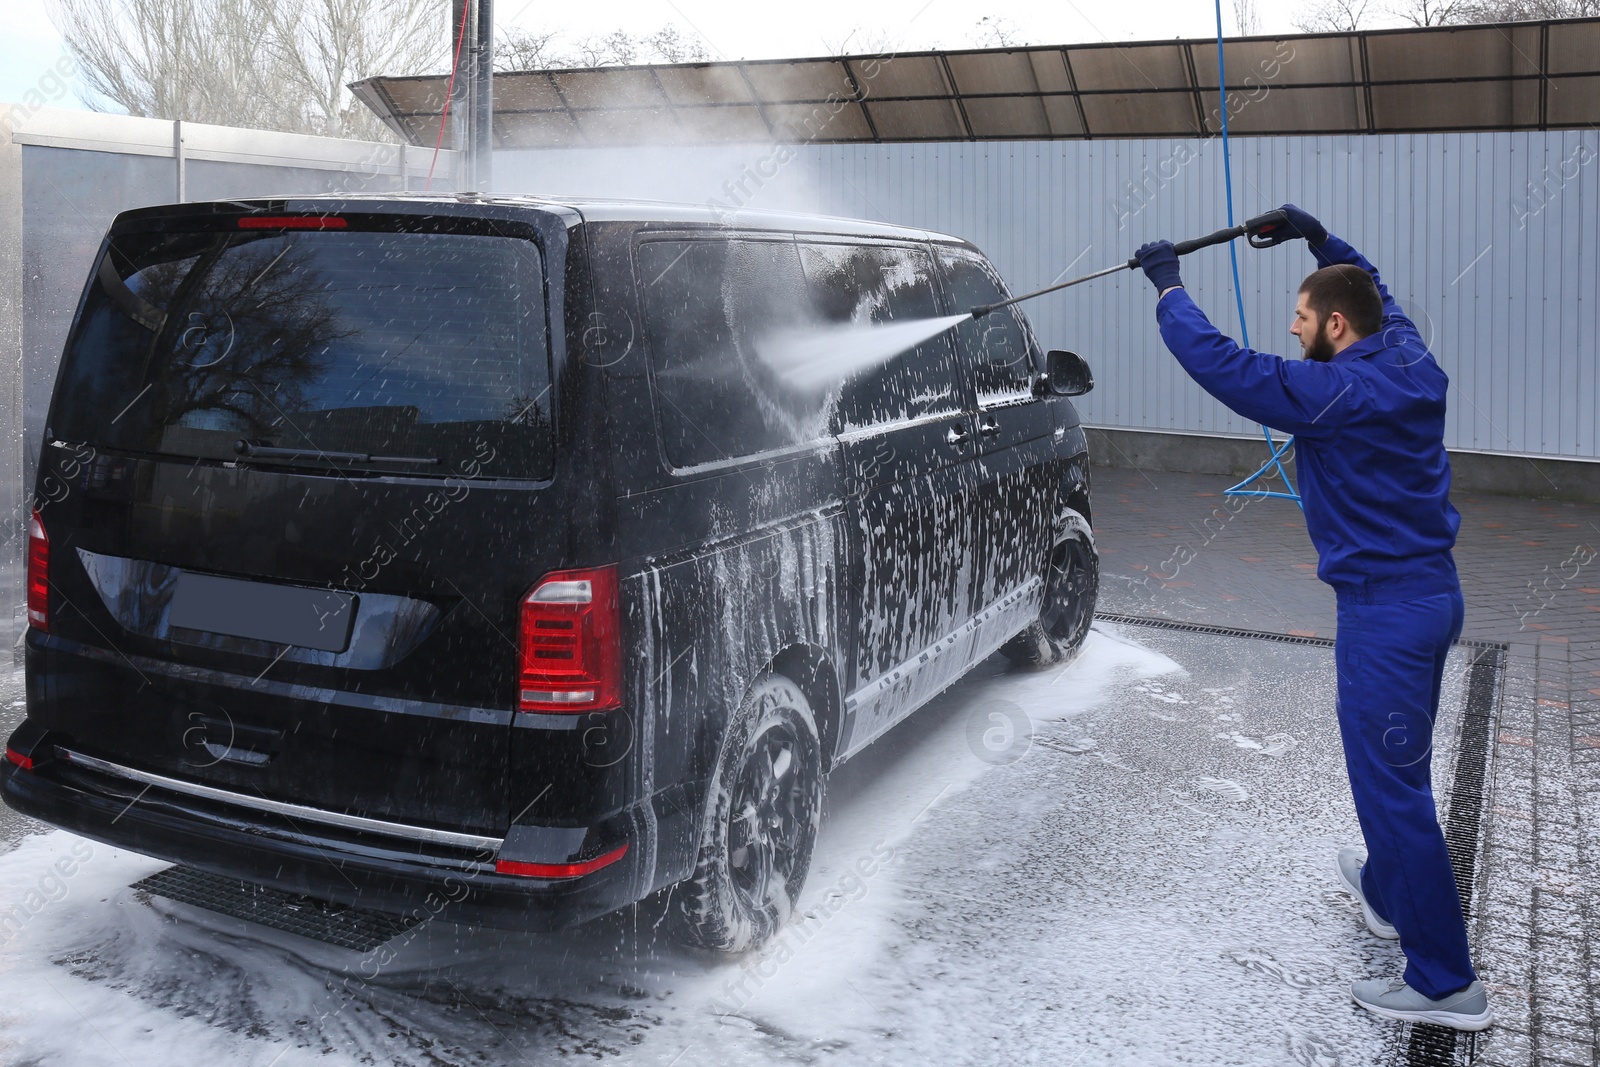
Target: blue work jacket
(1369, 440)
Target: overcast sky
(762, 29)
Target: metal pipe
(483, 98)
(459, 105)
(180, 162)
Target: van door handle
(988, 428)
(958, 435)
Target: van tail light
(38, 574)
(22, 762)
(559, 870)
(570, 643)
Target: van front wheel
(1071, 586)
(761, 822)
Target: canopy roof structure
(1512, 76)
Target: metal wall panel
(1489, 240)
(13, 517)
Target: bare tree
(1346, 15)
(1467, 11)
(324, 45)
(1246, 18)
(167, 59)
(1427, 12)
(671, 46)
(861, 41)
(262, 64)
(1464, 12)
(615, 49)
(996, 31)
(517, 49)
(1331, 16)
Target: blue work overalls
(1375, 480)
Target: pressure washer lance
(1253, 228)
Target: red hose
(444, 114)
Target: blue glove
(1160, 263)
(1301, 224)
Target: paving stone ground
(1173, 546)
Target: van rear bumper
(419, 879)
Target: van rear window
(418, 353)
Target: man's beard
(1320, 348)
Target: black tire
(1071, 586)
(761, 822)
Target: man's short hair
(1350, 291)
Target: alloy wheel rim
(1066, 592)
(764, 817)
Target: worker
(1366, 405)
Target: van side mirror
(1068, 374)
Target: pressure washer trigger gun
(1262, 229)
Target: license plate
(282, 614)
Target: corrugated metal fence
(1489, 240)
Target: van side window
(708, 303)
(998, 347)
(880, 284)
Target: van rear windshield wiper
(255, 451)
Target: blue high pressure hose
(1275, 460)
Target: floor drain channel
(1212, 631)
(334, 924)
(1437, 1046)
(1157, 623)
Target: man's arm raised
(1295, 397)
(1335, 250)
(1329, 250)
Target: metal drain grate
(1472, 759)
(1258, 635)
(335, 924)
(1438, 1046)
(1212, 631)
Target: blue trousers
(1391, 661)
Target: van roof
(616, 209)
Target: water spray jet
(813, 357)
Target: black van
(463, 555)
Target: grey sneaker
(1393, 999)
(1349, 867)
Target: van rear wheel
(761, 822)
(1071, 586)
